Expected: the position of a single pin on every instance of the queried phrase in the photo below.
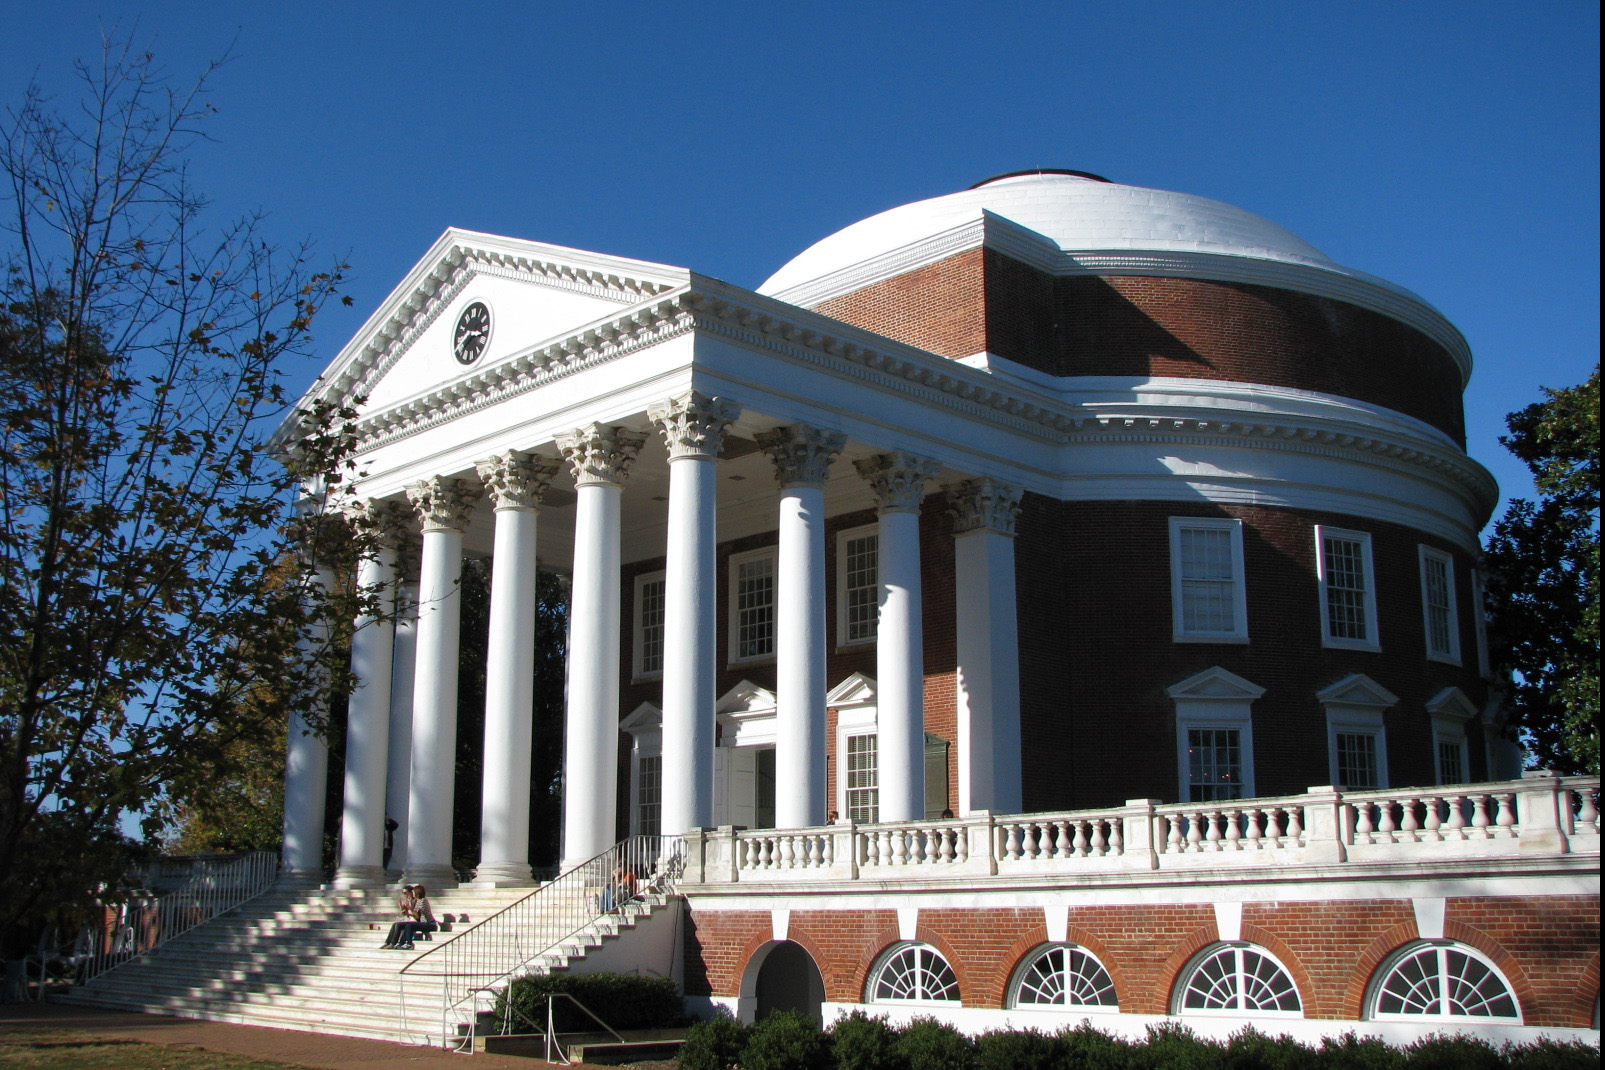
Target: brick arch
(1250, 934)
(1074, 934)
(998, 986)
(1365, 968)
(747, 977)
(923, 934)
(1586, 994)
(1526, 998)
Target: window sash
(1214, 764)
(755, 607)
(862, 779)
(860, 564)
(1346, 593)
(650, 622)
(1357, 763)
(1208, 581)
(649, 794)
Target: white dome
(1081, 213)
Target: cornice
(1001, 234)
(1049, 413)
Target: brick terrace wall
(1548, 947)
(1097, 653)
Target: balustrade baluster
(1173, 838)
(1409, 824)
(1507, 811)
(1362, 821)
(1028, 841)
(1063, 841)
(1077, 846)
(961, 845)
(1117, 843)
(1212, 829)
(899, 847)
(1255, 834)
(890, 849)
(1011, 841)
(1457, 815)
(1587, 818)
(1195, 830)
(1234, 831)
(1295, 825)
(1434, 818)
(1479, 814)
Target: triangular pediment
(1452, 703)
(1218, 684)
(1358, 689)
(644, 718)
(534, 293)
(855, 690)
(746, 697)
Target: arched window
(1236, 977)
(913, 972)
(1442, 981)
(1063, 975)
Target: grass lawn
(66, 1049)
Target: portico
(673, 416)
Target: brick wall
(1546, 946)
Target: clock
(472, 334)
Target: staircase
(310, 960)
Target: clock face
(472, 335)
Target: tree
(1543, 582)
(153, 569)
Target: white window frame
(1451, 710)
(1441, 948)
(1451, 653)
(1237, 949)
(1066, 1002)
(842, 623)
(1221, 700)
(1356, 705)
(734, 608)
(1372, 641)
(850, 722)
(645, 727)
(1179, 631)
(922, 953)
(639, 630)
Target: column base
(503, 875)
(359, 877)
(431, 876)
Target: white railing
(1534, 816)
(567, 911)
(172, 896)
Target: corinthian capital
(443, 504)
(517, 480)
(898, 480)
(600, 455)
(389, 522)
(694, 424)
(983, 504)
(802, 454)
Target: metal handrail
(147, 920)
(514, 938)
(551, 1026)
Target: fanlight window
(1443, 981)
(914, 972)
(1235, 978)
(1064, 975)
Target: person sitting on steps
(423, 918)
(407, 915)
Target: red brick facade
(1547, 948)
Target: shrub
(1249, 1049)
(1087, 1048)
(1015, 1049)
(1172, 1046)
(927, 1044)
(860, 1042)
(622, 1000)
(713, 1044)
(1547, 1054)
(1350, 1052)
(786, 1041)
(1445, 1051)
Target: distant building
(1039, 497)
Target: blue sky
(1452, 148)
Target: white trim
(733, 599)
(853, 721)
(1374, 987)
(1451, 711)
(1178, 997)
(842, 539)
(1215, 699)
(1355, 706)
(1179, 631)
(637, 628)
(1427, 556)
(1028, 962)
(1371, 642)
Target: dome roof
(1080, 212)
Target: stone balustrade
(1532, 817)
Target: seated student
(621, 888)
(423, 918)
(402, 929)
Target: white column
(984, 512)
(404, 666)
(368, 706)
(306, 769)
(693, 427)
(444, 506)
(898, 480)
(600, 457)
(516, 481)
(802, 457)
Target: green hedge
(859, 1041)
(622, 1000)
